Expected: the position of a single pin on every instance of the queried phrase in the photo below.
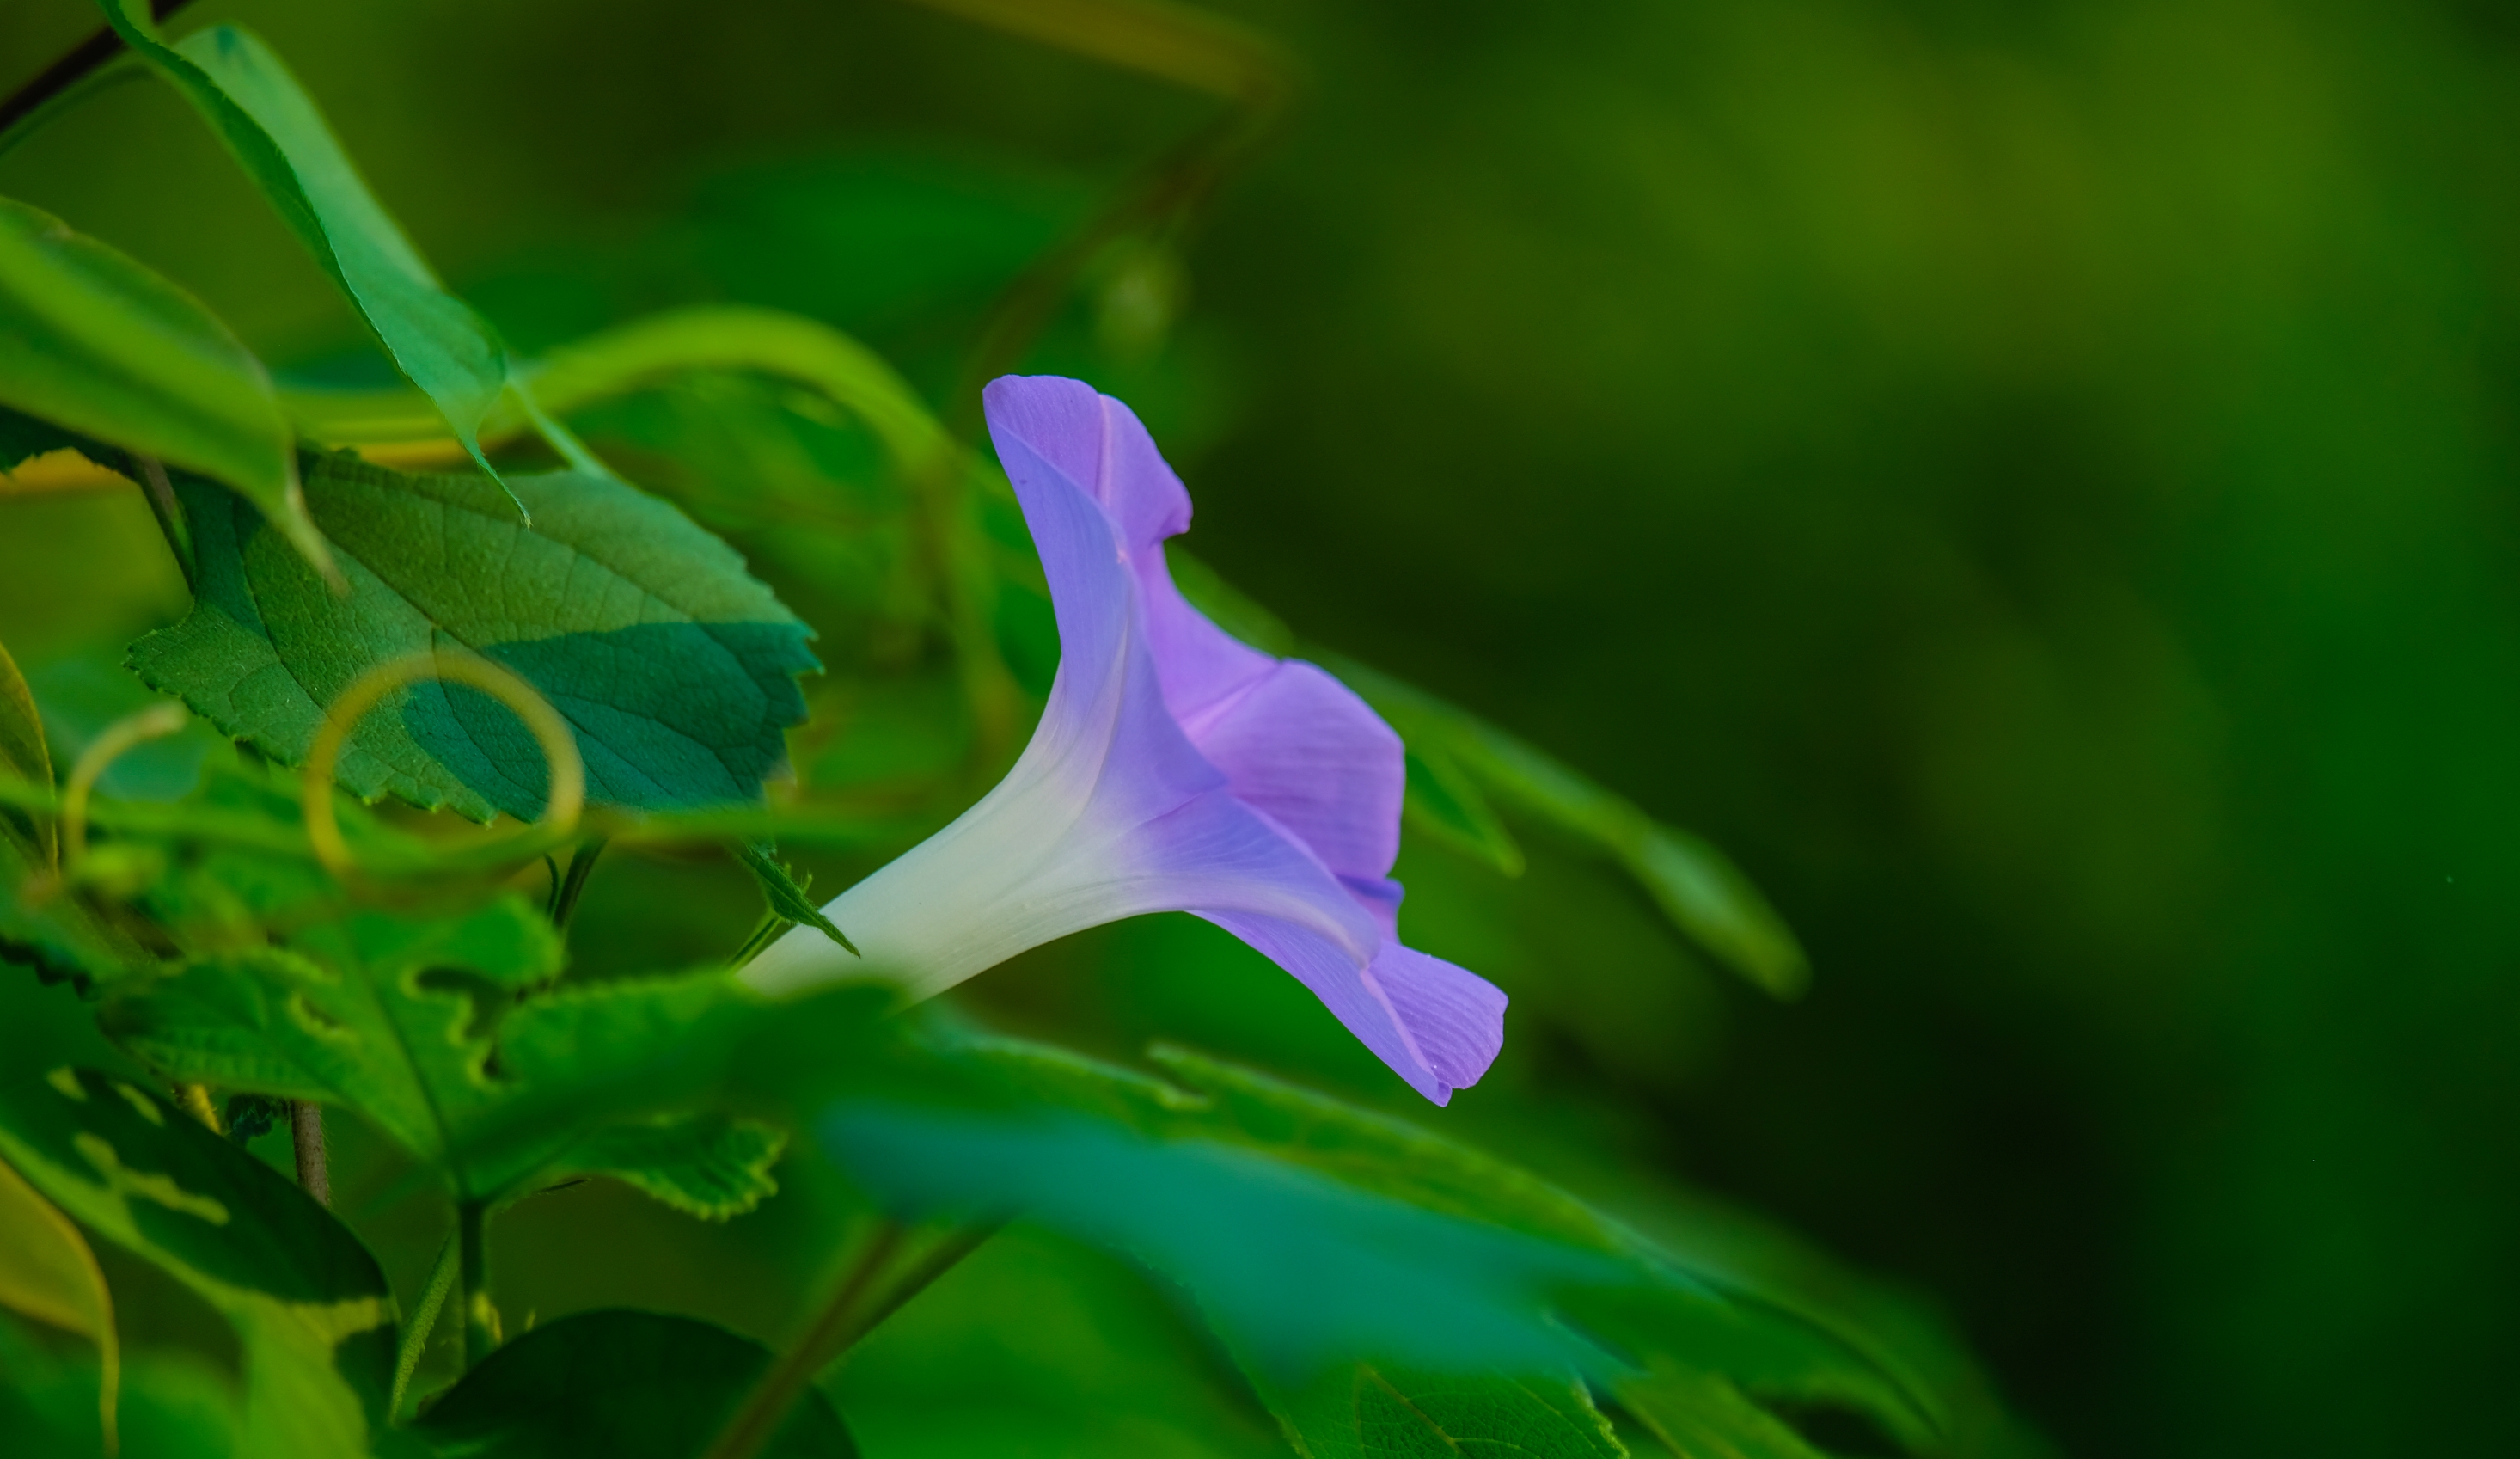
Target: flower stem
(480, 1318)
(415, 1338)
(306, 1133)
(581, 865)
(762, 1412)
(100, 46)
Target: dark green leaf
(392, 1015)
(675, 668)
(620, 1385)
(100, 344)
(1378, 1411)
(275, 131)
(310, 1308)
(780, 887)
(23, 437)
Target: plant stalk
(314, 1166)
(762, 1412)
(100, 46)
(480, 1318)
(581, 865)
(423, 1319)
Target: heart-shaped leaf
(676, 668)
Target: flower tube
(1175, 768)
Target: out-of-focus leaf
(389, 1014)
(619, 1384)
(24, 754)
(82, 694)
(273, 129)
(1444, 801)
(169, 1408)
(397, 426)
(707, 1165)
(1456, 761)
(1696, 1413)
(779, 886)
(311, 1310)
(1378, 1411)
(1343, 1273)
(48, 1273)
(23, 437)
(675, 666)
(1701, 891)
(107, 349)
(1307, 1231)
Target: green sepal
(785, 894)
(675, 668)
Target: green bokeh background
(2035, 483)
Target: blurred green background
(2035, 483)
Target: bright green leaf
(94, 342)
(619, 1384)
(312, 1313)
(675, 666)
(392, 1015)
(275, 131)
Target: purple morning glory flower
(1175, 770)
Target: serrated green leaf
(392, 1015)
(619, 1384)
(274, 129)
(94, 343)
(1380, 1411)
(675, 666)
(311, 1310)
(707, 1165)
(1696, 1414)
(779, 887)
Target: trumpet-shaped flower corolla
(1175, 770)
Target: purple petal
(1300, 747)
(1436, 1025)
